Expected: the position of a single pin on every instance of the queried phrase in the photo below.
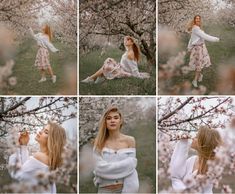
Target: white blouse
(29, 167)
(115, 167)
(43, 41)
(131, 67)
(198, 37)
(181, 168)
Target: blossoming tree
(180, 118)
(118, 18)
(18, 114)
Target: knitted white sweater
(181, 168)
(29, 167)
(43, 41)
(115, 167)
(198, 37)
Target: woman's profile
(115, 156)
(51, 139)
(199, 57)
(128, 66)
(184, 169)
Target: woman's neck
(114, 135)
(43, 149)
(129, 48)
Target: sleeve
(17, 160)
(134, 69)
(205, 36)
(131, 182)
(50, 45)
(114, 170)
(189, 44)
(178, 164)
(35, 36)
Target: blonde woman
(183, 169)
(128, 67)
(51, 139)
(115, 156)
(42, 58)
(199, 57)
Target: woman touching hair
(51, 139)
(115, 156)
(183, 168)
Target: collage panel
(117, 47)
(117, 145)
(38, 145)
(196, 47)
(196, 152)
(38, 47)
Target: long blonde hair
(55, 144)
(208, 139)
(47, 30)
(135, 49)
(103, 132)
(193, 22)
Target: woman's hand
(24, 138)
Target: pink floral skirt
(112, 69)
(42, 58)
(199, 58)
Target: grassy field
(91, 62)
(28, 75)
(145, 135)
(221, 54)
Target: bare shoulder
(42, 157)
(131, 55)
(129, 140)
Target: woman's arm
(178, 164)
(50, 45)
(114, 170)
(205, 36)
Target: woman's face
(113, 121)
(128, 41)
(194, 144)
(198, 21)
(42, 135)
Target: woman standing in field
(115, 156)
(42, 58)
(199, 57)
(128, 66)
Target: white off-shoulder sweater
(131, 67)
(29, 167)
(43, 41)
(198, 37)
(115, 167)
(181, 168)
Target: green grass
(91, 62)
(221, 54)
(145, 134)
(28, 75)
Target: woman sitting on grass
(126, 68)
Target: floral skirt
(112, 69)
(199, 58)
(42, 58)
